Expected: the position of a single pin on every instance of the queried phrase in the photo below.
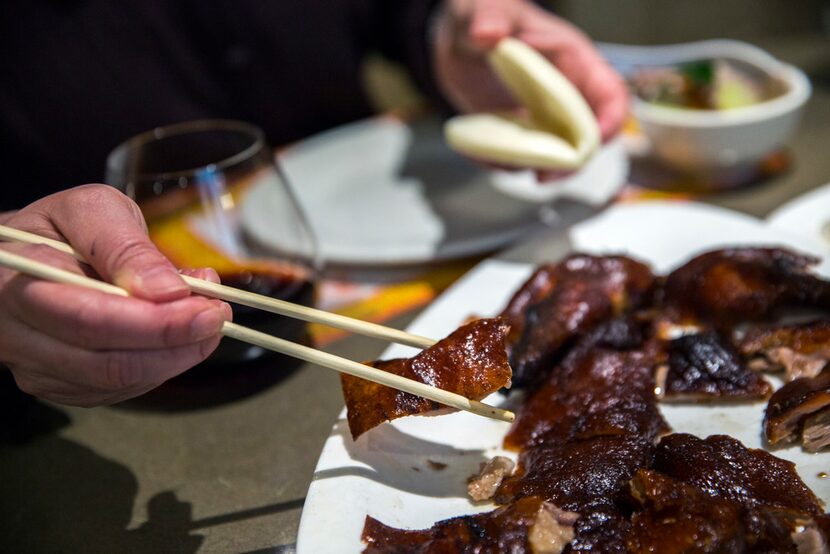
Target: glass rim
(184, 128)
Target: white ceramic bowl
(698, 140)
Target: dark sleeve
(400, 30)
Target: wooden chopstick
(263, 340)
(273, 305)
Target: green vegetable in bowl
(711, 84)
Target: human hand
(86, 348)
(467, 29)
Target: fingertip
(210, 274)
(208, 323)
(611, 117)
(203, 273)
(549, 176)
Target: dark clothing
(79, 77)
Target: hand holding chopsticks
(274, 305)
(44, 271)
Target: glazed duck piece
(801, 350)
(471, 361)
(589, 477)
(724, 468)
(530, 525)
(724, 287)
(706, 367)
(562, 301)
(538, 286)
(604, 386)
(674, 517)
(715, 495)
(800, 406)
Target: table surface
(233, 478)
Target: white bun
(508, 141)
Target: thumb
(108, 230)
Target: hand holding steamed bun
(468, 29)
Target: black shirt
(79, 77)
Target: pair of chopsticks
(264, 340)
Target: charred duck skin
(706, 367)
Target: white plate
(387, 474)
(807, 216)
(387, 192)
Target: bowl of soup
(714, 104)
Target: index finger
(108, 230)
(606, 94)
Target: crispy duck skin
(589, 477)
(792, 403)
(724, 287)
(595, 392)
(471, 361)
(602, 387)
(537, 287)
(802, 350)
(563, 301)
(706, 367)
(578, 475)
(723, 468)
(674, 517)
(530, 525)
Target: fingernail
(227, 311)
(159, 281)
(211, 275)
(207, 324)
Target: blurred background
(797, 32)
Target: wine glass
(191, 181)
